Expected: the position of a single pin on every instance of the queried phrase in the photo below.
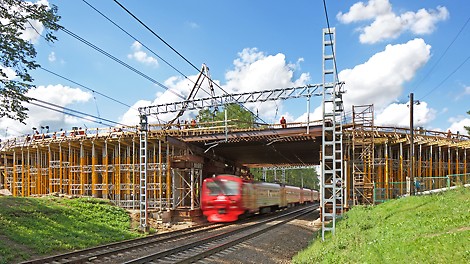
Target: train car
(309, 196)
(225, 197)
(293, 195)
(268, 196)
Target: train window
(231, 187)
(222, 187)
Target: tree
(307, 178)
(243, 117)
(17, 53)
(468, 127)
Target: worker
(283, 122)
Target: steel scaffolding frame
(363, 154)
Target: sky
(385, 50)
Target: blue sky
(385, 50)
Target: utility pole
(412, 147)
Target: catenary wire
(178, 53)
(134, 38)
(332, 50)
(445, 79)
(72, 110)
(83, 86)
(120, 61)
(443, 54)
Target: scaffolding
(363, 154)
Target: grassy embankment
(32, 227)
(418, 229)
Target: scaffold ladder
(332, 184)
(363, 154)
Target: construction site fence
(384, 191)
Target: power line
(78, 114)
(134, 38)
(445, 79)
(329, 34)
(437, 62)
(119, 61)
(179, 54)
(83, 86)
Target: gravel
(275, 246)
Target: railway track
(183, 246)
(206, 247)
(100, 252)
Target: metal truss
(240, 98)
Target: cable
(71, 110)
(119, 61)
(329, 34)
(437, 62)
(65, 78)
(70, 114)
(179, 54)
(158, 56)
(445, 79)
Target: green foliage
(245, 119)
(37, 226)
(307, 178)
(425, 229)
(18, 54)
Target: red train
(226, 197)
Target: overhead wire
(440, 58)
(331, 40)
(85, 87)
(134, 38)
(445, 79)
(120, 61)
(178, 53)
(78, 114)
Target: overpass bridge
(105, 162)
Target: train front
(221, 198)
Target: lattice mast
(143, 174)
(363, 154)
(332, 138)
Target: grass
(32, 227)
(418, 229)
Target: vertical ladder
(143, 174)
(332, 138)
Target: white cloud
(141, 56)
(51, 57)
(253, 71)
(458, 124)
(359, 11)
(387, 24)
(399, 115)
(256, 71)
(380, 80)
(37, 116)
